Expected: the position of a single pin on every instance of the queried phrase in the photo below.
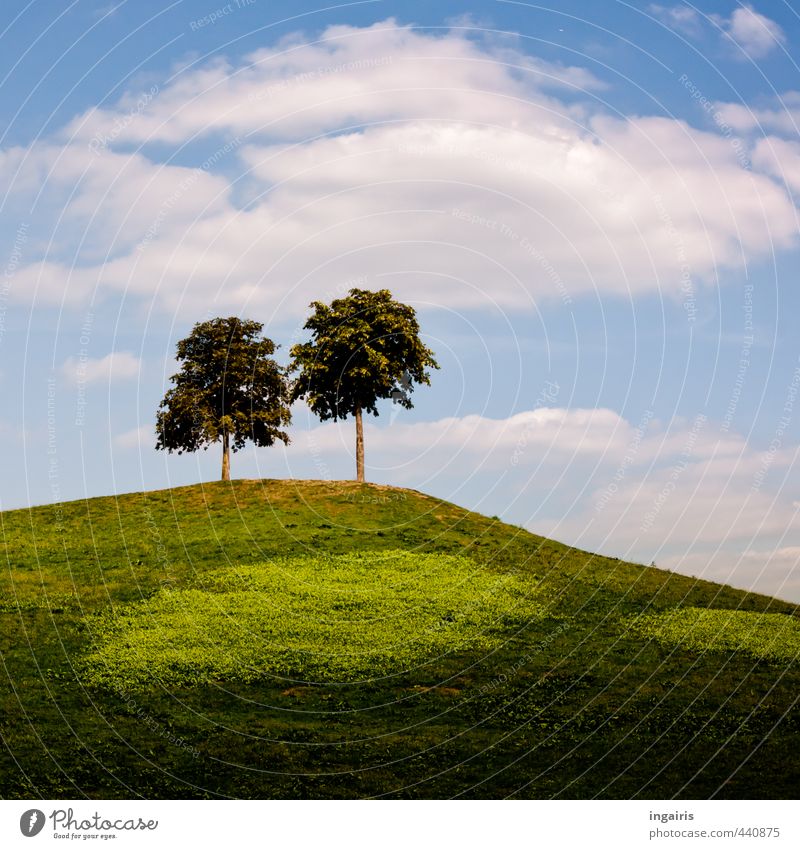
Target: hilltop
(276, 638)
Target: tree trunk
(226, 456)
(359, 446)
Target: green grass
(284, 639)
(769, 636)
(346, 618)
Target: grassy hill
(332, 639)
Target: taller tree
(364, 347)
(228, 390)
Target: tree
(364, 347)
(228, 390)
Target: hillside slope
(360, 640)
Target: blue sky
(593, 209)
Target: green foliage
(770, 636)
(229, 387)
(364, 347)
(346, 618)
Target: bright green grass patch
(314, 618)
(771, 636)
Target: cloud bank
(455, 166)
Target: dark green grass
(566, 701)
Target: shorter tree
(364, 347)
(228, 390)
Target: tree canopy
(228, 390)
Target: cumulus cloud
(116, 366)
(538, 215)
(755, 34)
(348, 76)
(781, 115)
(457, 167)
(781, 159)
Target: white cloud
(781, 115)
(349, 76)
(105, 203)
(497, 444)
(755, 34)
(446, 166)
(118, 365)
(445, 208)
(682, 18)
(781, 159)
